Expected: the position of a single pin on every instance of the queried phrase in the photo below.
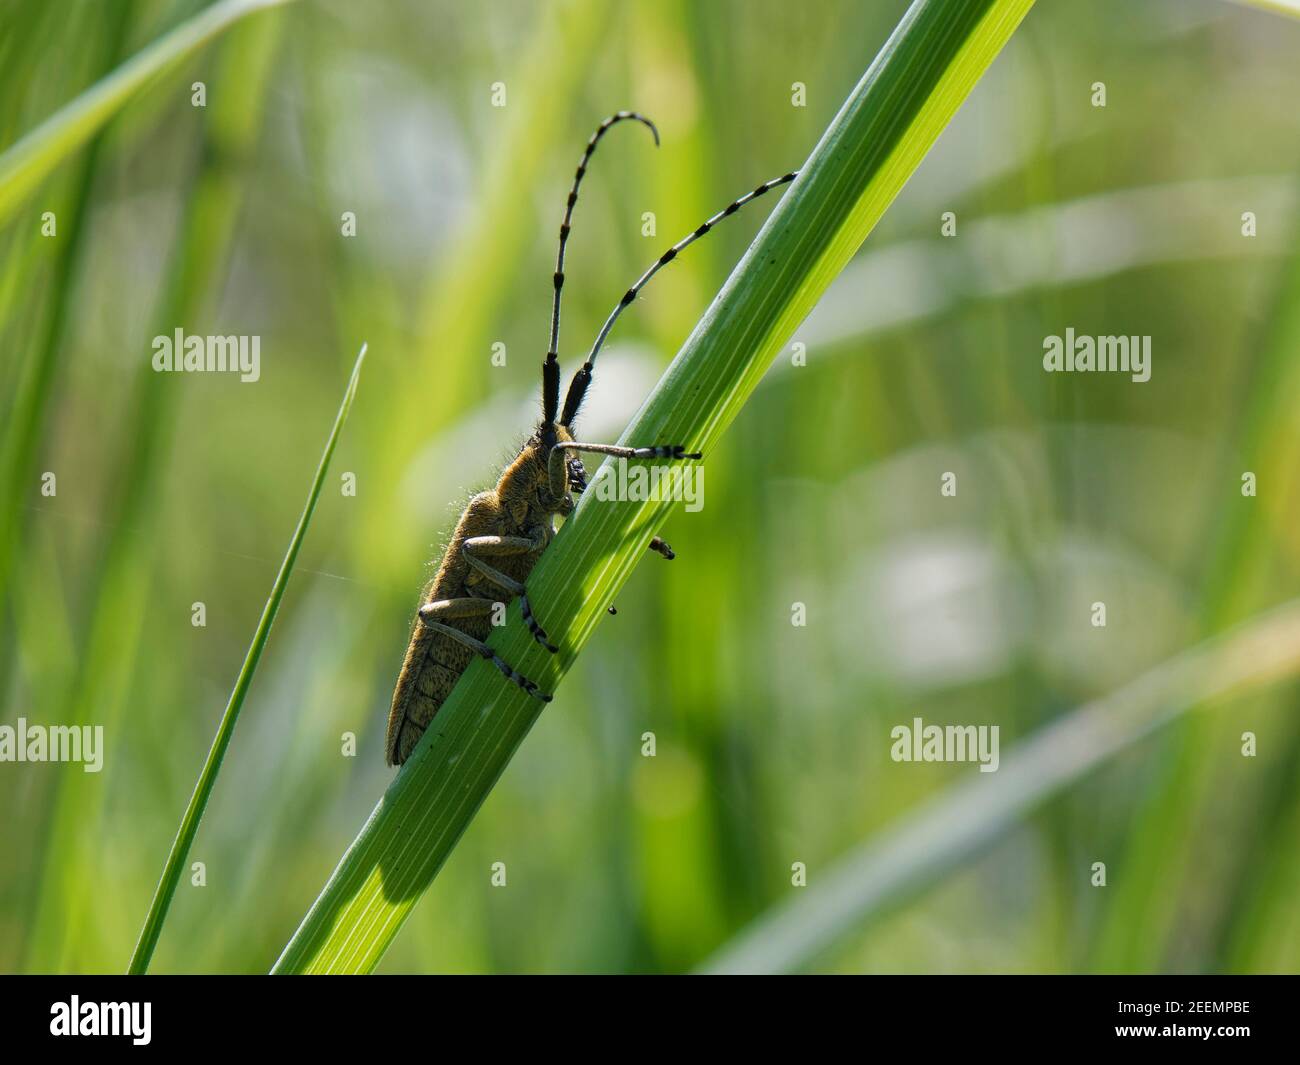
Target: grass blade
(26, 419)
(871, 148)
(1277, 7)
(116, 597)
(959, 823)
(207, 778)
(26, 163)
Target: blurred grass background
(773, 741)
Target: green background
(772, 740)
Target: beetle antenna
(581, 379)
(551, 367)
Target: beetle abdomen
(434, 663)
(435, 660)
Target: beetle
(503, 531)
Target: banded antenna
(551, 367)
(582, 378)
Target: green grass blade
(117, 594)
(890, 120)
(28, 410)
(207, 778)
(920, 848)
(26, 163)
(1278, 7)
(1236, 583)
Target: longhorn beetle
(504, 531)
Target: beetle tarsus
(539, 634)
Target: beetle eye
(577, 476)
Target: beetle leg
(663, 451)
(476, 546)
(468, 607)
(659, 451)
(556, 463)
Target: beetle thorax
(525, 486)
